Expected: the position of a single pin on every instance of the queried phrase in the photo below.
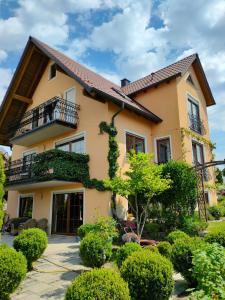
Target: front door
(67, 212)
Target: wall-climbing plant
(113, 152)
(188, 132)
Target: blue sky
(122, 39)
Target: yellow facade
(168, 101)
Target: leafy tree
(219, 176)
(223, 172)
(143, 178)
(181, 199)
(2, 180)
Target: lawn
(215, 226)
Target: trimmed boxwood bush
(216, 237)
(182, 254)
(165, 249)
(84, 229)
(95, 249)
(13, 268)
(98, 284)
(151, 248)
(149, 276)
(32, 243)
(175, 235)
(125, 251)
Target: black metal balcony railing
(55, 109)
(196, 124)
(52, 164)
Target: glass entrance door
(67, 212)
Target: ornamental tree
(139, 185)
(2, 181)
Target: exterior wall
(163, 101)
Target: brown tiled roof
(92, 81)
(176, 69)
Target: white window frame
(69, 89)
(137, 135)
(158, 138)
(71, 138)
(24, 196)
(203, 146)
(49, 72)
(83, 190)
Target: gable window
(52, 71)
(134, 142)
(25, 206)
(163, 150)
(194, 116)
(190, 80)
(74, 145)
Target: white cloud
(5, 75)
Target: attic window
(52, 71)
(190, 80)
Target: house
(53, 103)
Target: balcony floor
(45, 132)
(35, 185)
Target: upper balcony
(196, 124)
(53, 117)
(46, 169)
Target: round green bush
(84, 229)
(175, 235)
(13, 268)
(95, 249)
(215, 211)
(32, 243)
(216, 237)
(98, 284)
(151, 248)
(125, 251)
(165, 249)
(182, 254)
(149, 276)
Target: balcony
(53, 117)
(196, 124)
(47, 169)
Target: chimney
(124, 82)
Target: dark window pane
(163, 150)
(26, 207)
(52, 72)
(135, 143)
(198, 153)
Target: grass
(216, 226)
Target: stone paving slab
(53, 272)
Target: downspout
(113, 198)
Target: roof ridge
(152, 73)
(66, 56)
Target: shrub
(125, 251)
(151, 248)
(152, 229)
(165, 249)
(13, 268)
(209, 271)
(149, 276)
(175, 235)
(182, 253)
(32, 243)
(98, 284)
(216, 237)
(84, 229)
(215, 211)
(95, 249)
(193, 225)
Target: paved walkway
(53, 272)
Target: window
(163, 150)
(75, 145)
(193, 109)
(190, 80)
(52, 71)
(69, 95)
(198, 153)
(35, 118)
(25, 206)
(134, 142)
(27, 160)
(194, 116)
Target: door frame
(64, 192)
